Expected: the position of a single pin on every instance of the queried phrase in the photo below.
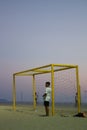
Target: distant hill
(3, 100)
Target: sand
(25, 118)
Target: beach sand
(25, 118)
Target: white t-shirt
(48, 93)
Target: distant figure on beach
(36, 97)
(76, 99)
(80, 114)
(46, 97)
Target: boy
(46, 97)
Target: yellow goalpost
(51, 68)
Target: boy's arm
(44, 95)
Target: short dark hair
(48, 82)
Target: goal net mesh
(64, 85)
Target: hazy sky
(39, 32)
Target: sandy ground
(25, 118)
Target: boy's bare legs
(47, 110)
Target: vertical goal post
(51, 68)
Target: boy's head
(47, 84)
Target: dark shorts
(46, 103)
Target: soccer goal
(64, 80)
